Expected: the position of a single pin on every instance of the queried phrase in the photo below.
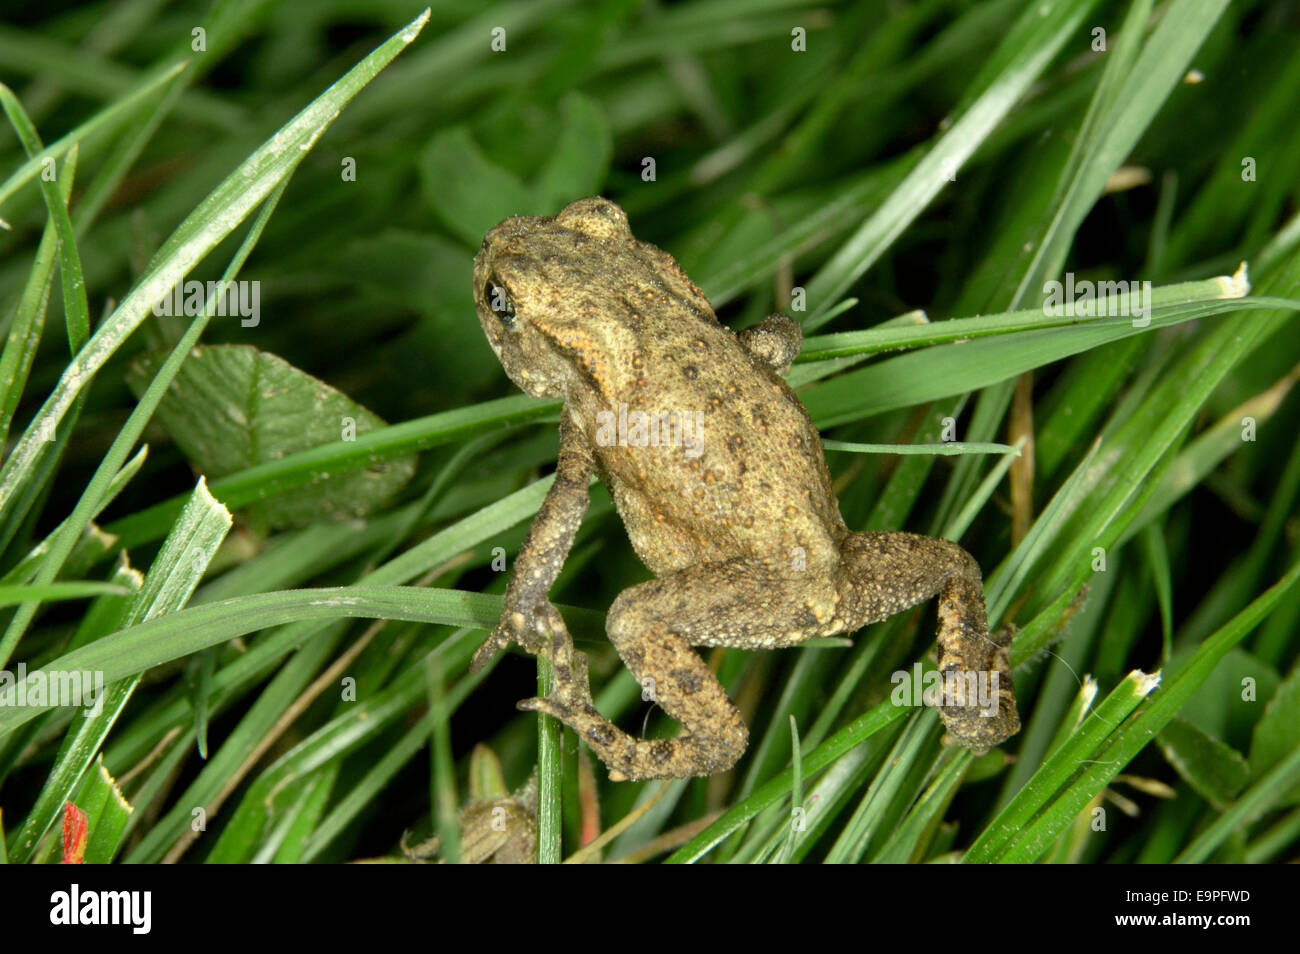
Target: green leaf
(1262, 795)
(946, 370)
(75, 307)
(107, 814)
(486, 780)
(176, 571)
(442, 792)
(796, 792)
(440, 290)
(63, 590)
(303, 819)
(299, 470)
(1227, 707)
(550, 819)
(29, 320)
(1129, 739)
(579, 161)
(203, 229)
(233, 407)
(1081, 747)
(1025, 52)
(927, 813)
(1216, 771)
(115, 114)
(1161, 65)
(777, 789)
(466, 190)
(1277, 733)
(134, 649)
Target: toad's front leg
(528, 618)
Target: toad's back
(707, 453)
(742, 475)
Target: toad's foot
(626, 757)
(539, 631)
(631, 759)
(979, 701)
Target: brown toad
(719, 477)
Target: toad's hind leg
(884, 573)
(653, 626)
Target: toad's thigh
(739, 603)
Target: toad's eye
(500, 303)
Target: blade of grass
(300, 469)
(444, 772)
(171, 580)
(903, 844)
(63, 590)
(796, 793)
(143, 646)
(1082, 746)
(1253, 802)
(213, 219)
(550, 818)
(1032, 840)
(95, 497)
(258, 176)
(778, 788)
(1161, 65)
(76, 309)
(1029, 46)
(105, 120)
(27, 567)
(29, 320)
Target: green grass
(283, 604)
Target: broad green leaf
(467, 191)
(232, 407)
(579, 162)
(1262, 795)
(1228, 706)
(1216, 771)
(460, 363)
(1277, 732)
